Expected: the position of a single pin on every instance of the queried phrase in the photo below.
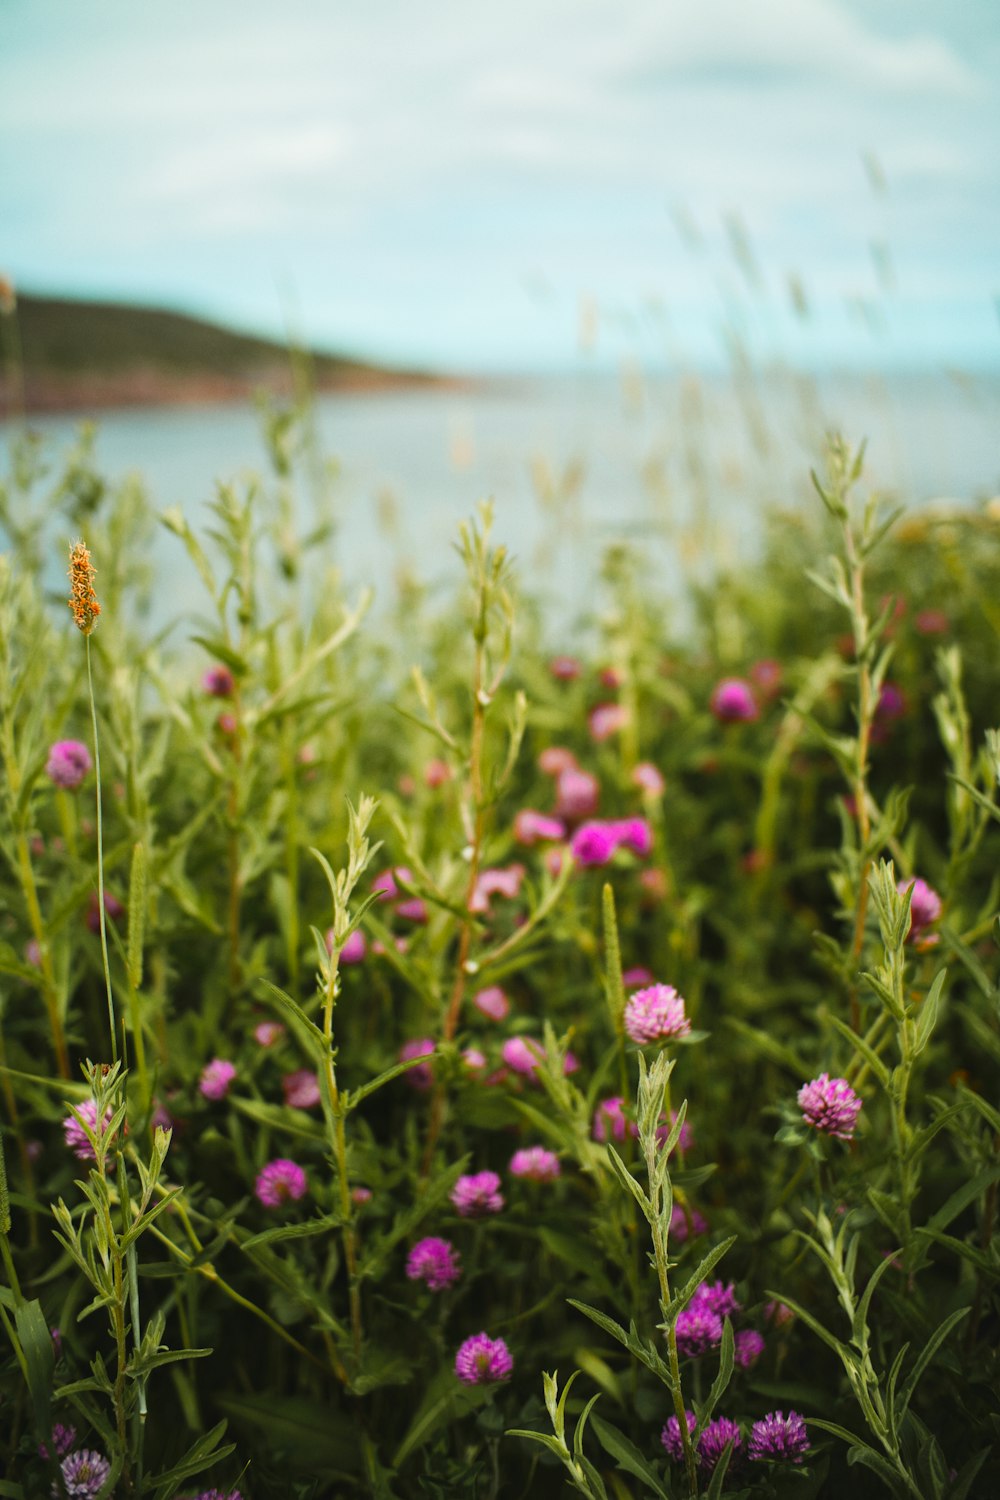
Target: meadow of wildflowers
(437, 1061)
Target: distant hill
(64, 355)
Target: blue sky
(492, 186)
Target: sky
(531, 185)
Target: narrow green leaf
(627, 1456)
(36, 1342)
(925, 1356)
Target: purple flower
(68, 763)
(671, 1439)
(778, 1437)
(76, 1136)
(474, 1060)
(301, 1089)
(749, 1348)
(112, 907)
(492, 1003)
(685, 1137)
(649, 779)
(610, 1122)
(354, 948)
(564, 668)
(535, 1163)
(477, 1195)
(84, 1473)
(361, 1196)
(594, 843)
(535, 828)
(280, 1181)
(268, 1032)
(718, 1298)
(925, 906)
(576, 794)
(891, 703)
(830, 1105)
(219, 1495)
(656, 1014)
(713, 1441)
(635, 978)
(434, 1262)
(606, 719)
(522, 1054)
(490, 883)
(63, 1439)
(733, 700)
(482, 1360)
(218, 682)
(698, 1330)
(422, 1076)
(216, 1077)
(635, 834)
(680, 1230)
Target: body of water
(682, 468)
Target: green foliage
(318, 858)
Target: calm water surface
(684, 469)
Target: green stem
(100, 860)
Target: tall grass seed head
(82, 600)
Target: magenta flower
(714, 1441)
(218, 682)
(717, 1297)
(385, 884)
(535, 1163)
(477, 1195)
(670, 1437)
(932, 622)
(656, 1014)
(606, 719)
(301, 1089)
(564, 668)
(219, 1495)
(767, 676)
(699, 1329)
(434, 1262)
(891, 703)
(112, 906)
(684, 1139)
(594, 843)
(636, 977)
(68, 764)
(610, 1122)
(482, 1360)
(681, 1229)
(436, 773)
(279, 1182)
(492, 1003)
(522, 1054)
(76, 1136)
(649, 779)
(422, 1076)
(577, 793)
(830, 1105)
(733, 700)
(555, 759)
(490, 883)
(361, 1196)
(268, 1032)
(84, 1473)
(536, 828)
(925, 906)
(354, 949)
(779, 1438)
(63, 1439)
(635, 834)
(216, 1077)
(474, 1060)
(749, 1348)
